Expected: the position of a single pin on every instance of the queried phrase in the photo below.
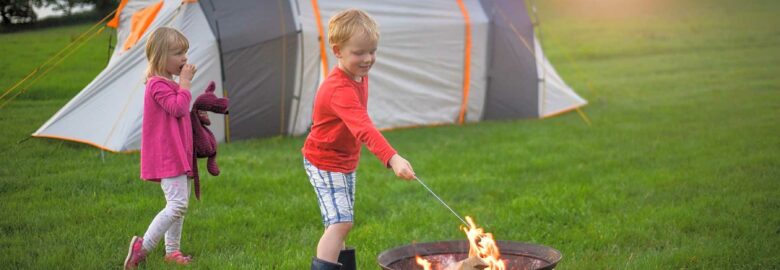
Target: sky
(48, 12)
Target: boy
(340, 125)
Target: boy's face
(356, 56)
(176, 60)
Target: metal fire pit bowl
(516, 255)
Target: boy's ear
(336, 50)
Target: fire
(424, 263)
(481, 245)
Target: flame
(481, 245)
(424, 263)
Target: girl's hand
(401, 167)
(185, 77)
(187, 72)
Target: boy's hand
(401, 167)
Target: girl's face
(356, 56)
(176, 60)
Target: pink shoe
(178, 258)
(136, 254)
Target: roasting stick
(441, 201)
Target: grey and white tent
(438, 62)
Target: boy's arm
(175, 103)
(347, 106)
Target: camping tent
(439, 62)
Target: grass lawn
(680, 168)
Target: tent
(439, 62)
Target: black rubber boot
(347, 259)
(317, 264)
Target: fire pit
(515, 254)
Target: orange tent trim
(82, 141)
(466, 63)
(114, 23)
(140, 22)
(323, 52)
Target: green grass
(679, 169)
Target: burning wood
(424, 263)
(470, 263)
(483, 252)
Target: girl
(166, 142)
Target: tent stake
(23, 140)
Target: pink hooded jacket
(166, 139)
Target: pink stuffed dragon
(203, 141)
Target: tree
(21, 11)
(105, 6)
(16, 11)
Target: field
(679, 169)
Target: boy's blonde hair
(162, 42)
(351, 22)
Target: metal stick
(441, 201)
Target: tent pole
(222, 73)
(538, 29)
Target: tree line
(23, 12)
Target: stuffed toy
(203, 141)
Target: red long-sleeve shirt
(341, 124)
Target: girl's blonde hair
(161, 44)
(350, 22)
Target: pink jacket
(166, 139)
